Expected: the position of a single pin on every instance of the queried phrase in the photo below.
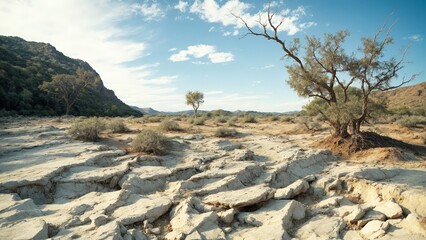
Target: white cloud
(150, 12)
(221, 57)
(182, 6)
(172, 49)
(200, 51)
(91, 32)
(213, 12)
(416, 38)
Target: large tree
(195, 99)
(324, 71)
(67, 88)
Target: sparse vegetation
(150, 141)
(169, 125)
(198, 121)
(249, 118)
(87, 129)
(118, 126)
(221, 119)
(226, 132)
(275, 118)
(411, 121)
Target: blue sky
(152, 52)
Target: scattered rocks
(204, 189)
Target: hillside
(412, 98)
(24, 66)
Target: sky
(151, 53)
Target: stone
(25, 229)
(140, 208)
(240, 198)
(374, 229)
(370, 216)
(186, 219)
(324, 226)
(292, 190)
(227, 216)
(137, 234)
(350, 213)
(390, 209)
(414, 224)
(99, 219)
(270, 221)
(145, 180)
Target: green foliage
(195, 99)
(87, 129)
(150, 141)
(118, 126)
(226, 132)
(275, 118)
(169, 125)
(24, 66)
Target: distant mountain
(24, 66)
(412, 98)
(151, 111)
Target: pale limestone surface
(206, 188)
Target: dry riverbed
(268, 183)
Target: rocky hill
(411, 98)
(24, 66)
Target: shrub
(197, 120)
(169, 125)
(411, 121)
(308, 123)
(150, 141)
(249, 119)
(87, 129)
(221, 119)
(275, 118)
(153, 119)
(231, 122)
(117, 126)
(226, 132)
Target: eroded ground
(266, 184)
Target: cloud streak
(212, 12)
(200, 51)
(92, 32)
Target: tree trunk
(340, 130)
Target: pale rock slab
(298, 187)
(271, 221)
(140, 208)
(374, 229)
(370, 216)
(390, 209)
(188, 221)
(146, 179)
(240, 198)
(321, 226)
(25, 229)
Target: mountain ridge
(25, 65)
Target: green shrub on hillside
(87, 129)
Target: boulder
(25, 229)
(324, 226)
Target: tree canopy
(195, 99)
(341, 83)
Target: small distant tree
(324, 71)
(195, 99)
(68, 88)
